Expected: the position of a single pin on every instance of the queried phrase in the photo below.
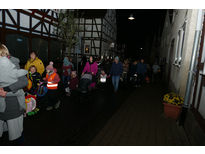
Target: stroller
(85, 82)
(83, 88)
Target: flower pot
(172, 111)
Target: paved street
(75, 123)
(133, 116)
(140, 121)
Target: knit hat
(117, 58)
(50, 66)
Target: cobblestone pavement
(140, 122)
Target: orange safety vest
(50, 84)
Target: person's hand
(92, 73)
(2, 92)
(82, 73)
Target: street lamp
(131, 17)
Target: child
(52, 79)
(73, 84)
(103, 80)
(35, 77)
(67, 67)
(103, 76)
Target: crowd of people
(43, 82)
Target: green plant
(173, 98)
(67, 28)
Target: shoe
(49, 108)
(57, 105)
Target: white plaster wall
(187, 52)
(24, 20)
(179, 74)
(14, 15)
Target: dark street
(75, 122)
(133, 116)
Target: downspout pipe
(194, 57)
(192, 65)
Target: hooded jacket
(14, 108)
(67, 67)
(10, 76)
(116, 69)
(36, 62)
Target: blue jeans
(65, 80)
(115, 82)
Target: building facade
(97, 33)
(177, 45)
(26, 30)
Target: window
(87, 49)
(179, 46)
(18, 46)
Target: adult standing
(92, 68)
(125, 69)
(34, 60)
(116, 71)
(155, 72)
(141, 71)
(11, 118)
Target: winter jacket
(116, 69)
(35, 79)
(67, 67)
(36, 62)
(89, 68)
(141, 68)
(10, 76)
(56, 78)
(13, 106)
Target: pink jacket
(91, 68)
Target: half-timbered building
(25, 30)
(97, 32)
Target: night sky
(138, 33)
